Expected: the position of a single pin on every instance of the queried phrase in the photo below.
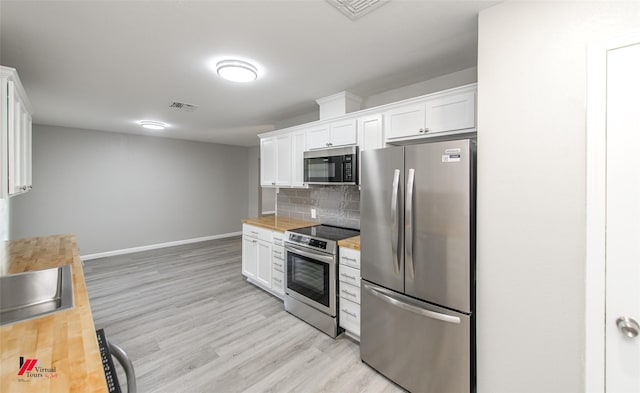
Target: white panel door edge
(596, 263)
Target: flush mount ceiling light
(153, 125)
(237, 71)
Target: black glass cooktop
(327, 232)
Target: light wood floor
(191, 323)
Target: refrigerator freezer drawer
(421, 347)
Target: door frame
(596, 138)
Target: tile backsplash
(335, 205)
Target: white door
(622, 314)
(264, 263)
(298, 146)
(343, 133)
(283, 160)
(249, 256)
(268, 162)
(407, 120)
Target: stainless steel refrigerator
(418, 265)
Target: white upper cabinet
(343, 133)
(405, 121)
(451, 112)
(447, 111)
(15, 139)
(339, 133)
(275, 161)
(268, 161)
(283, 160)
(298, 146)
(318, 137)
(370, 135)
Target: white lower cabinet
(349, 291)
(264, 263)
(249, 256)
(263, 258)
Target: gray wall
(253, 181)
(116, 191)
(532, 69)
(335, 205)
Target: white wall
(531, 190)
(118, 191)
(448, 81)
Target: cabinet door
(249, 257)
(27, 162)
(298, 146)
(318, 137)
(451, 112)
(370, 132)
(264, 263)
(405, 121)
(343, 133)
(283, 160)
(268, 162)
(370, 136)
(4, 139)
(18, 123)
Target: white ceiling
(106, 64)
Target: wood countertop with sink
(352, 242)
(281, 224)
(64, 342)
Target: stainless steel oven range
(311, 274)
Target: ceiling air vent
(355, 9)
(183, 107)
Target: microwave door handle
(408, 242)
(395, 220)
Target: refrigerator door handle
(395, 221)
(408, 242)
(409, 307)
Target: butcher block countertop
(278, 223)
(64, 343)
(352, 242)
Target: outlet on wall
(313, 213)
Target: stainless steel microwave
(331, 166)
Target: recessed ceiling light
(237, 71)
(153, 125)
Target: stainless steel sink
(36, 293)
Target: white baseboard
(156, 246)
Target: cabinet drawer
(250, 231)
(350, 316)
(350, 257)
(349, 292)
(278, 252)
(350, 275)
(277, 264)
(277, 281)
(278, 238)
(257, 232)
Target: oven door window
(308, 277)
(324, 170)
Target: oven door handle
(330, 259)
